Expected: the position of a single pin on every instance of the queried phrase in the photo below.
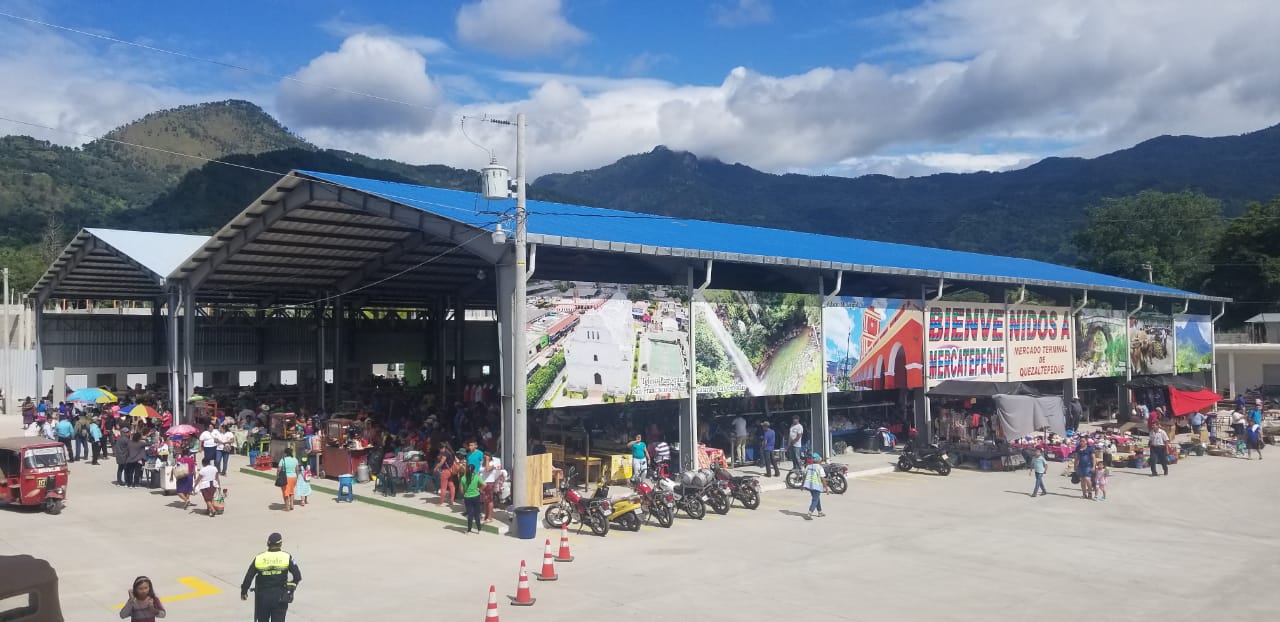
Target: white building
(599, 354)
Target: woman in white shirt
(208, 483)
(492, 485)
(226, 444)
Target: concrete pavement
(903, 546)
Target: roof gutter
(1220, 314)
(707, 281)
(942, 285)
(1186, 304)
(1022, 295)
(1083, 301)
(839, 285)
(533, 261)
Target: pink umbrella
(183, 429)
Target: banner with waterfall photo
(1101, 348)
(873, 343)
(598, 343)
(1151, 344)
(756, 343)
(1194, 337)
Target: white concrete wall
(1249, 359)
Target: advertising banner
(1194, 337)
(966, 341)
(597, 343)
(1101, 349)
(1040, 343)
(1151, 344)
(756, 343)
(873, 343)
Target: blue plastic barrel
(526, 522)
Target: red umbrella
(142, 411)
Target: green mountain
(47, 192)
(1030, 212)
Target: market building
(325, 275)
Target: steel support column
(338, 312)
(174, 353)
(188, 349)
(320, 308)
(508, 341)
(689, 413)
(37, 316)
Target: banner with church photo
(1151, 344)
(756, 343)
(1194, 337)
(873, 343)
(1102, 350)
(598, 343)
(966, 341)
(1039, 343)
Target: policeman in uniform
(273, 569)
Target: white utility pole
(519, 350)
(8, 351)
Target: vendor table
(617, 467)
(586, 466)
(342, 461)
(409, 467)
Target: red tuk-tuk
(33, 471)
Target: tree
(1174, 233)
(1246, 262)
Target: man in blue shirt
(1255, 415)
(95, 440)
(768, 442)
(65, 431)
(475, 457)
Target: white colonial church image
(600, 351)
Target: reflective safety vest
(271, 563)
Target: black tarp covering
(1164, 380)
(967, 388)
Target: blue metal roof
(593, 227)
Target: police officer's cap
(274, 539)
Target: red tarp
(1187, 402)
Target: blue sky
(816, 86)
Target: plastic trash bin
(526, 522)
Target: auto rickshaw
(33, 471)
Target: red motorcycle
(573, 507)
(660, 504)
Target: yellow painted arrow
(200, 588)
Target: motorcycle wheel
(598, 523)
(719, 504)
(555, 516)
(904, 464)
(53, 506)
(695, 508)
(629, 521)
(944, 470)
(839, 484)
(794, 479)
(751, 500)
(663, 515)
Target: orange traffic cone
(563, 555)
(491, 613)
(548, 565)
(524, 598)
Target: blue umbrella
(93, 395)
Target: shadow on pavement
(795, 513)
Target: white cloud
(644, 62)
(741, 13)
(990, 83)
(427, 46)
(363, 64)
(85, 89)
(517, 27)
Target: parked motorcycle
(690, 497)
(837, 478)
(625, 512)
(573, 507)
(660, 504)
(932, 458)
(744, 488)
